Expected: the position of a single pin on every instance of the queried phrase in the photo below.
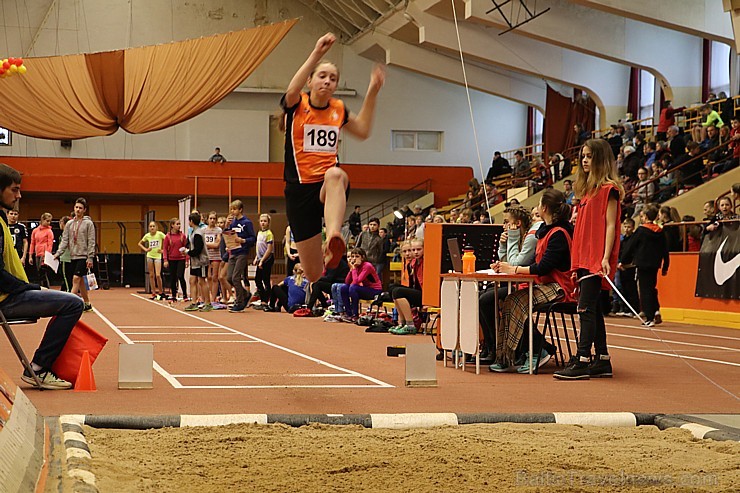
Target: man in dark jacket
(499, 166)
(355, 222)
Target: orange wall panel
(676, 290)
(147, 177)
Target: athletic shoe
(153, 297)
(649, 323)
(88, 307)
(499, 368)
(237, 308)
(218, 306)
(335, 249)
(255, 298)
(621, 314)
(256, 304)
(601, 367)
(403, 330)
(577, 369)
(658, 318)
(49, 380)
(349, 319)
(232, 300)
(206, 308)
(333, 318)
(192, 307)
(537, 361)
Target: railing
(692, 115)
(684, 227)
(385, 207)
(644, 127)
(530, 152)
(677, 181)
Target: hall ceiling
(351, 17)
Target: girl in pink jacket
(42, 241)
(362, 282)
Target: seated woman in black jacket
(323, 284)
(554, 283)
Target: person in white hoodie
(79, 238)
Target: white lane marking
(674, 342)
(249, 375)
(379, 383)
(720, 362)
(359, 386)
(653, 329)
(164, 327)
(190, 341)
(179, 333)
(123, 336)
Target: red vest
(560, 277)
(589, 236)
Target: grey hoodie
(79, 239)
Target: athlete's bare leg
(312, 257)
(333, 195)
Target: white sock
(36, 367)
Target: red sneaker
(335, 249)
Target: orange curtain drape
(138, 89)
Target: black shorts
(79, 267)
(304, 209)
(199, 272)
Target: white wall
(409, 101)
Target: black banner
(719, 264)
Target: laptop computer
(454, 248)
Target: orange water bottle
(468, 260)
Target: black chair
(551, 329)
(16, 345)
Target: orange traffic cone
(85, 379)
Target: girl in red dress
(594, 255)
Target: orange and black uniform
(311, 141)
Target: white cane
(624, 299)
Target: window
(720, 68)
(539, 124)
(409, 140)
(5, 137)
(647, 95)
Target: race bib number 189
(320, 138)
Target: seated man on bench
(21, 300)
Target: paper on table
(50, 261)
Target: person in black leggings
(323, 284)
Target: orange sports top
(311, 139)
(589, 236)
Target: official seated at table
(517, 248)
(553, 283)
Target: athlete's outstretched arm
(293, 93)
(360, 125)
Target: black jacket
(8, 282)
(557, 255)
(499, 166)
(647, 249)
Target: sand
(500, 457)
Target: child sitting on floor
(290, 293)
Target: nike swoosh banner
(719, 264)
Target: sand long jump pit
(475, 457)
